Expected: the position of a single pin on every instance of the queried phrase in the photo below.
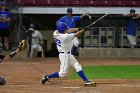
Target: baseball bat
(96, 20)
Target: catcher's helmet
(61, 27)
(132, 11)
(32, 26)
(2, 81)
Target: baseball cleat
(44, 79)
(89, 83)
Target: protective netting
(16, 26)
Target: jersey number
(58, 42)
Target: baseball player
(36, 39)
(4, 25)
(63, 38)
(131, 27)
(71, 20)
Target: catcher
(22, 46)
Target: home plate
(71, 87)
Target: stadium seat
(43, 2)
(28, 2)
(137, 3)
(86, 2)
(99, 3)
(128, 3)
(73, 2)
(58, 2)
(17, 2)
(115, 3)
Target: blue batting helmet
(61, 27)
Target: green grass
(110, 72)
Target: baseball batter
(64, 44)
(71, 20)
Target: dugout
(105, 39)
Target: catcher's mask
(31, 27)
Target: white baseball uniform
(36, 38)
(64, 44)
(132, 40)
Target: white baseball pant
(132, 40)
(35, 46)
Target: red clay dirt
(23, 76)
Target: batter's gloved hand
(79, 28)
(12, 54)
(22, 45)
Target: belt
(64, 52)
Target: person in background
(70, 21)
(131, 27)
(36, 40)
(4, 25)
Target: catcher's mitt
(2, 81)
(23, 45)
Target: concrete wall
(48, 35)
(109, 53)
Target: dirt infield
(23, 76)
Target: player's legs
(32, 50)
(74, 63)
(64, 65)
(6, 43)
(74, 50)
(39, 50)
(4, 33)
(132, 40)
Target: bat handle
(12, 54)
(1, 60)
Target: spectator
(36, 40)
(71, 20)
(131, 27)
(4, 25)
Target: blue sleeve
(77, 18)
(60, 20)
(8, 14)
